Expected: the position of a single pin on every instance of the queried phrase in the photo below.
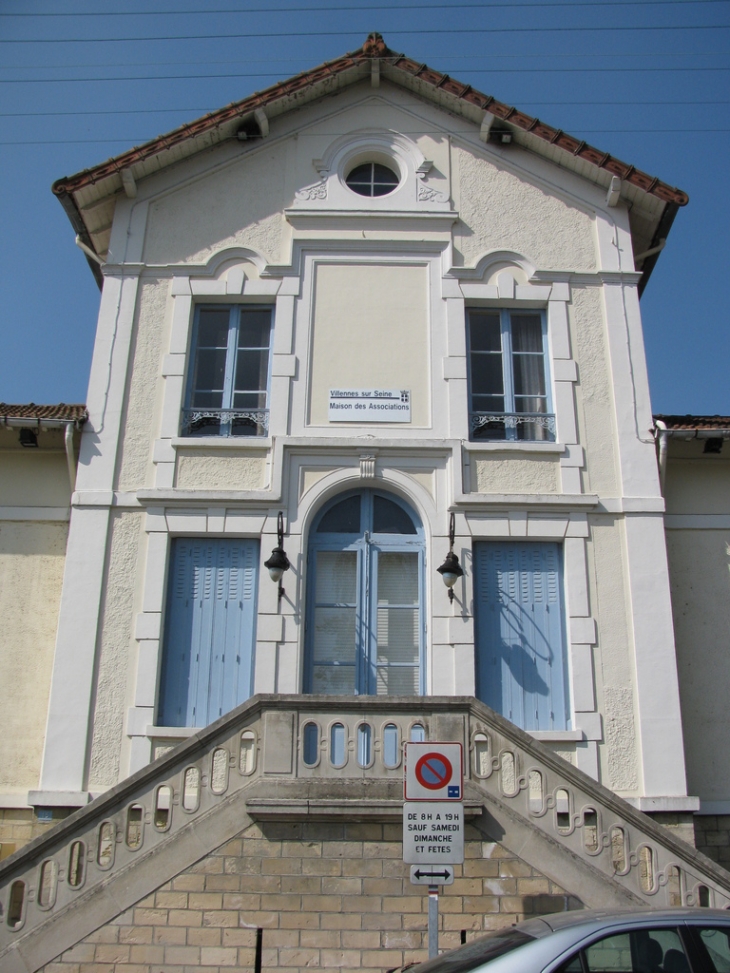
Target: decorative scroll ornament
(427, 194)
(318, 191)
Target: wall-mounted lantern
(451, 570)
(278, 563)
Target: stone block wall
(18, 826)
(712, 837)
(327, 895)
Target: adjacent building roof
(89, 196)
(694, 422)
(57, 413)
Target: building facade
(388, 329)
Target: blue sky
(647, 81)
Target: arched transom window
(365, 598)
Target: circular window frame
(372, 195)
(369, 156)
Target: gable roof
(89, 196)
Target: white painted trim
(68, 729)
(15, 801)
(557, 736)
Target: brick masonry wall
(19, 825)
(330, 895)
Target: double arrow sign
(423, 875)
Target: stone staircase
(310, 758)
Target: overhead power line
(578, 134)
(206, 111)
(351, 33)
(213, 77)
(360, 9)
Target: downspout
(663, 437)
(68, 442)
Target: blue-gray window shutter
(207, 663)
(520, 639)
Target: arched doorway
(365, 604)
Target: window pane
(334, 635)
(336, 577)
(485, 332)
(252, 370)
(397, 578)
(210, 367)
(249, 400)
(638, 951)
(207, 400)
(343, 518)
(486, 374)
(213, 327)
(396, 681)
(397, 636)
(717, 944)
(529, 374)
(254, 329)
(389, 518)
(333, 680)
(526, 332)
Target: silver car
(668, 941)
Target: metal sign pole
(433, 921)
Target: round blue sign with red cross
(433, 772)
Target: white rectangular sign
(370, 405)
(433, 772)
(433, 833)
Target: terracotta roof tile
(694, 422)
(75, 413)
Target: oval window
(372, 179)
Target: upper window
(372, 179)
(508, 397)
(229, 375)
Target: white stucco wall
(506, 473)
(34, 477)
(31, 572)
(500, 210)
(116, 650)
(231, 471)
(612, 654)
(238, 205)
(594, 396)
(141, 409)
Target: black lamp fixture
(451, 570)
(278, 563)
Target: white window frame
(513, 418)
(227, 412)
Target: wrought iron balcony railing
(510, 426)
(225, 422)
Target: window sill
(172, 732)
(221, 442)
(522, 446)
(558, 736)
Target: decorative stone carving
(367, 467)
(318, 191)
(426, 194)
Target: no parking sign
(434, 772)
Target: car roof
(605, 918)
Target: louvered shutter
(209, 639)
(520, 643)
